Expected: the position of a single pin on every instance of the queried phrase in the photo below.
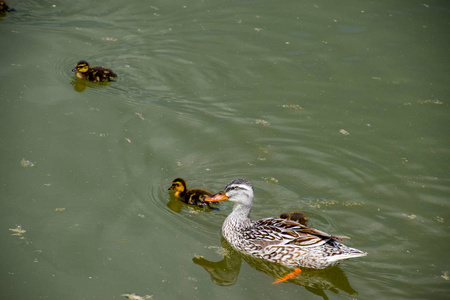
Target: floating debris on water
(352, 203)
(292, 106)
(344, 132)
(137, 297)
(262, 123)
(262, 149)
(18, 231)
(322, 202)
(111, 39)
(139, 115)
(60, 209)
(141, 216)
(410, 216)
(439, 219)
(445, 275)
(27, 164)
(220, 250)
(270, 179)
(430, 101)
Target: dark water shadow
(226, 271)
(80, 85)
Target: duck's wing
(287, 232)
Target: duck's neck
(236, 224)
(240, 216)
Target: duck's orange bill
(217, 197)
(288, 276)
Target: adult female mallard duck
(190, 196)
(278, 240)
(95, 74)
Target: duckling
(96, 74)
(190, 196)
(3, 7)
(296, 216)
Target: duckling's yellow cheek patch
(83, 69)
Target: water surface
(337, 109)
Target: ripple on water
(189, 220)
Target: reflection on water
(226, 271)
(80, 85)
(338, 109)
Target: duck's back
(287, 242)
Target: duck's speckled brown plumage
(190, 196)
(278, 240)
(95, 74)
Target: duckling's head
(296, 216)
(178, 185)
(238, 191)
(82, 67)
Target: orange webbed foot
(288, 276)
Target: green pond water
(336, 108)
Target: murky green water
(339, 109)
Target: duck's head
(238, 190)
(178, 185)
(82, 67)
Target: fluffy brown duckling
(296, 216)
(4, 7)
(190, 196)
(95, 74)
